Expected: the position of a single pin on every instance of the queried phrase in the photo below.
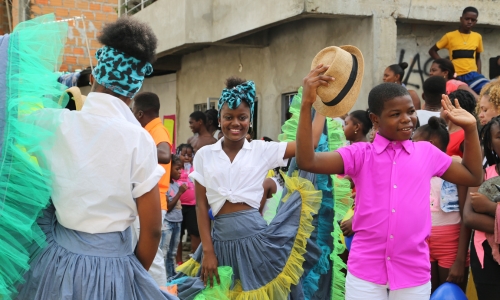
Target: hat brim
(76, 95)
(348, 101)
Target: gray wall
(416, 39)
(276, 69)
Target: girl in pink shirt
(449, 240)
(188, 200)
(483, 215)
(389, 258)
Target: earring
(355, 132)
(251, 125)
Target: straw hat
(346, 66)
(76, 99)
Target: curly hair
(492, 89)
(131, 37)
(233, 81)
(466, 100)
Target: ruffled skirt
(267, 260)
(79, 265)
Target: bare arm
(171, 204)
(474, 220)
(469, 172)
(465, 233)
(433, 52)
(269, 189)
(164, 153)
(317, 129)
(478, 62)
(209, 264)
(468, 89)
(307, 159)
(149, 211)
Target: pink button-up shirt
(392, 219)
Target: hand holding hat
(346, 65)
(312, 81)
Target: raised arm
(149, 210)
(470, 171)
(307, 159)
(433, 52)
(317, 128)
(209, 264)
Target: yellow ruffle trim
(279, 287)
(190, 268)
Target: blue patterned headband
(233, 97)
(120, 72)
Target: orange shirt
(161, 135)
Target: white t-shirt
(241, 180)
(425, 115)
(101, 159)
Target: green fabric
(272, 205)
(35, 52)
(218, 291)
(342, 199)
(289, 129)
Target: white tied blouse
(101, 159)
(239, 181)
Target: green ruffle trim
(342, 198)
(34, 54)
(289, 129)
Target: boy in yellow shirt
(464, 47)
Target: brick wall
(96, 13)
(4, 20)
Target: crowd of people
(392, 202)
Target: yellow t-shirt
(161, 135)
(462, 49)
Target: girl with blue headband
(267, 260)
(104, 174)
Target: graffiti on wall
(418, 65)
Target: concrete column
(384, 35)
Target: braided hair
(487, 141)
(182, 146)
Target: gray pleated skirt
(77, 265)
